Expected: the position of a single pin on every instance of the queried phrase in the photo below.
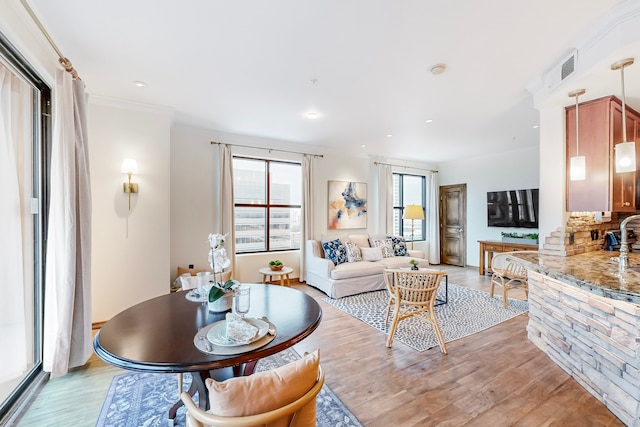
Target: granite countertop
(592, 271)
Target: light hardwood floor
(493, 378)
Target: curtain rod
(64, 61)
(403, 166)
(268, 149)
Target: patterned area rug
(143, 399)
(468, 311)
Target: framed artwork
(347, 205)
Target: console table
(488, 247)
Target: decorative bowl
(276, 267)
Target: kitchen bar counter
(585, 316)
(592, 271)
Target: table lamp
(413, 212)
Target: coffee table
(158, 335)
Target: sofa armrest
(416, 253)
(314, 263)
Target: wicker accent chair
(411, 293)
(508, 274)
(282, 416)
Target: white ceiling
(248, 66)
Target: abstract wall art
(347, 205)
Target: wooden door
(453, 224)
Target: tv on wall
(513, 208)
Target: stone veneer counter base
(585, 316)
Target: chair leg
(505, 301)
(386, 319)
(394, 324)
(492, 287)
(436, 328)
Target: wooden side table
(488, 247)
(283, 274)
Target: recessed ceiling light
(389, 136)
(428, 121)
(311, 115)
(438, 69)
(536, 126)
(363, 146)
(139, 83)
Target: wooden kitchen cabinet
(600, 129)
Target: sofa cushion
(356, 269)
(371, 254)
(362, 240)
(353, 252)
(399, 245)
(335, 251)
(385, 244)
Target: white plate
(218, 332)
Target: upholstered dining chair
(411, 293)
(508, 274)
(284, 396)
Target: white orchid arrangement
(219, 261)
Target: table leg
(197, 384)
(264, 278)
(288, 280)
(282, 280)
(481, 260)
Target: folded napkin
(239, 330)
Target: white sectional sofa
(350, 278)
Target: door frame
(463, 191)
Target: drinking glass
(242, 295)
(203, 282)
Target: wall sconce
(413, 212)
(626, 150)
(130, 167)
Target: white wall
(514, 170)
(194, 194)
(130, 259)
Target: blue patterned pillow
(335, 251)
(399, 245)
(385, 244)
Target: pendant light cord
(624, 102)
(577, 139)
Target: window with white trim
(267, 204)
(408, 190)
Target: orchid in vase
(219, 262)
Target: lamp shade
(413, 212)
(577, 168)
(625, 157)
(129, 166)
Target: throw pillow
(399, 245)
(371, 254)
(266, 391)
(335, 251)
(386, 245)
(353, 252)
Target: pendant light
(626, 150)
(577, 165)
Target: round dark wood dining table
(157, 335)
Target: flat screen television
(513, 208)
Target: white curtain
(433, 218)
(16, 250)
(226, 223)
(308, 223)
(67, 312)
(385, 199)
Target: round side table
(283, 274)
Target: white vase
(222, 304)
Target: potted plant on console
(524, 238)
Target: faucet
(623, 260)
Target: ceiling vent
(565, 69)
